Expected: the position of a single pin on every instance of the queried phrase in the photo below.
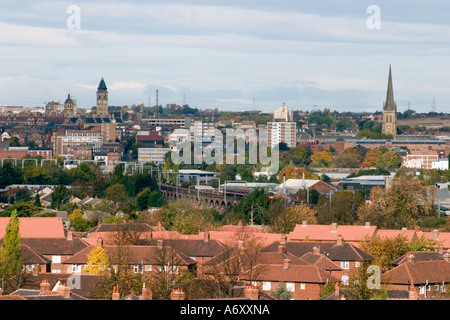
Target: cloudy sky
(227, 54)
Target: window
(290, 286)
(344, 264)
(76, 267)
(267, 285)
(421, 289)
(137, 268)
(345, 280)
(56, 259)
(148, 267)
(357, 264)
(302, 286)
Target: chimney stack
(99, 242)
(36, 270)
(304, 223)
(440, 249)
(45, 286)
(435, 234)
(146, 293)
(63, 290)
(367, 224)
(159, 226)
(116, 294)
(411, 258)
(340, 239)
(334, 227)
(282, 248)
(160, 243)
(316, 251)
(70, 234)
(251, 292)
(206, 236)
(286, 263)
(413, 295)
(446, 256)
(177, 294)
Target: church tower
(390, 110)
(69, 107)
(102, 99)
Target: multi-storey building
(279, 132)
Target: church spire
(389, 105)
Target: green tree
(142, 199)
(281, 293)
(37, 200)
(22, 209)
(116, 193)
(10, 251)
(343, 208)
(155, 199)
(60, 196)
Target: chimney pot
(70, 235)
(45, 286)
(304, 223)
(286, 263)
(413, 292)
(177, 294)
(251, 292)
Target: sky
(231, 55)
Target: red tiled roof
(36, 227)
(318, 232)
(295, 273)
(409, 234)
(419, 272)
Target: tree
(155, 199)
(10, 251)
(343, 208)
(286, 221)
(240, 256)
(10, 174)
(281, 293)
(382, 158)
(98, 262)
(358, 288)
(116, 193)
(400, 205)
(321, 159)
(142, 199)
(60, 196)
(22, 209)
(349, 158)
(37, 200)
(385, 250)
(292, 172)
